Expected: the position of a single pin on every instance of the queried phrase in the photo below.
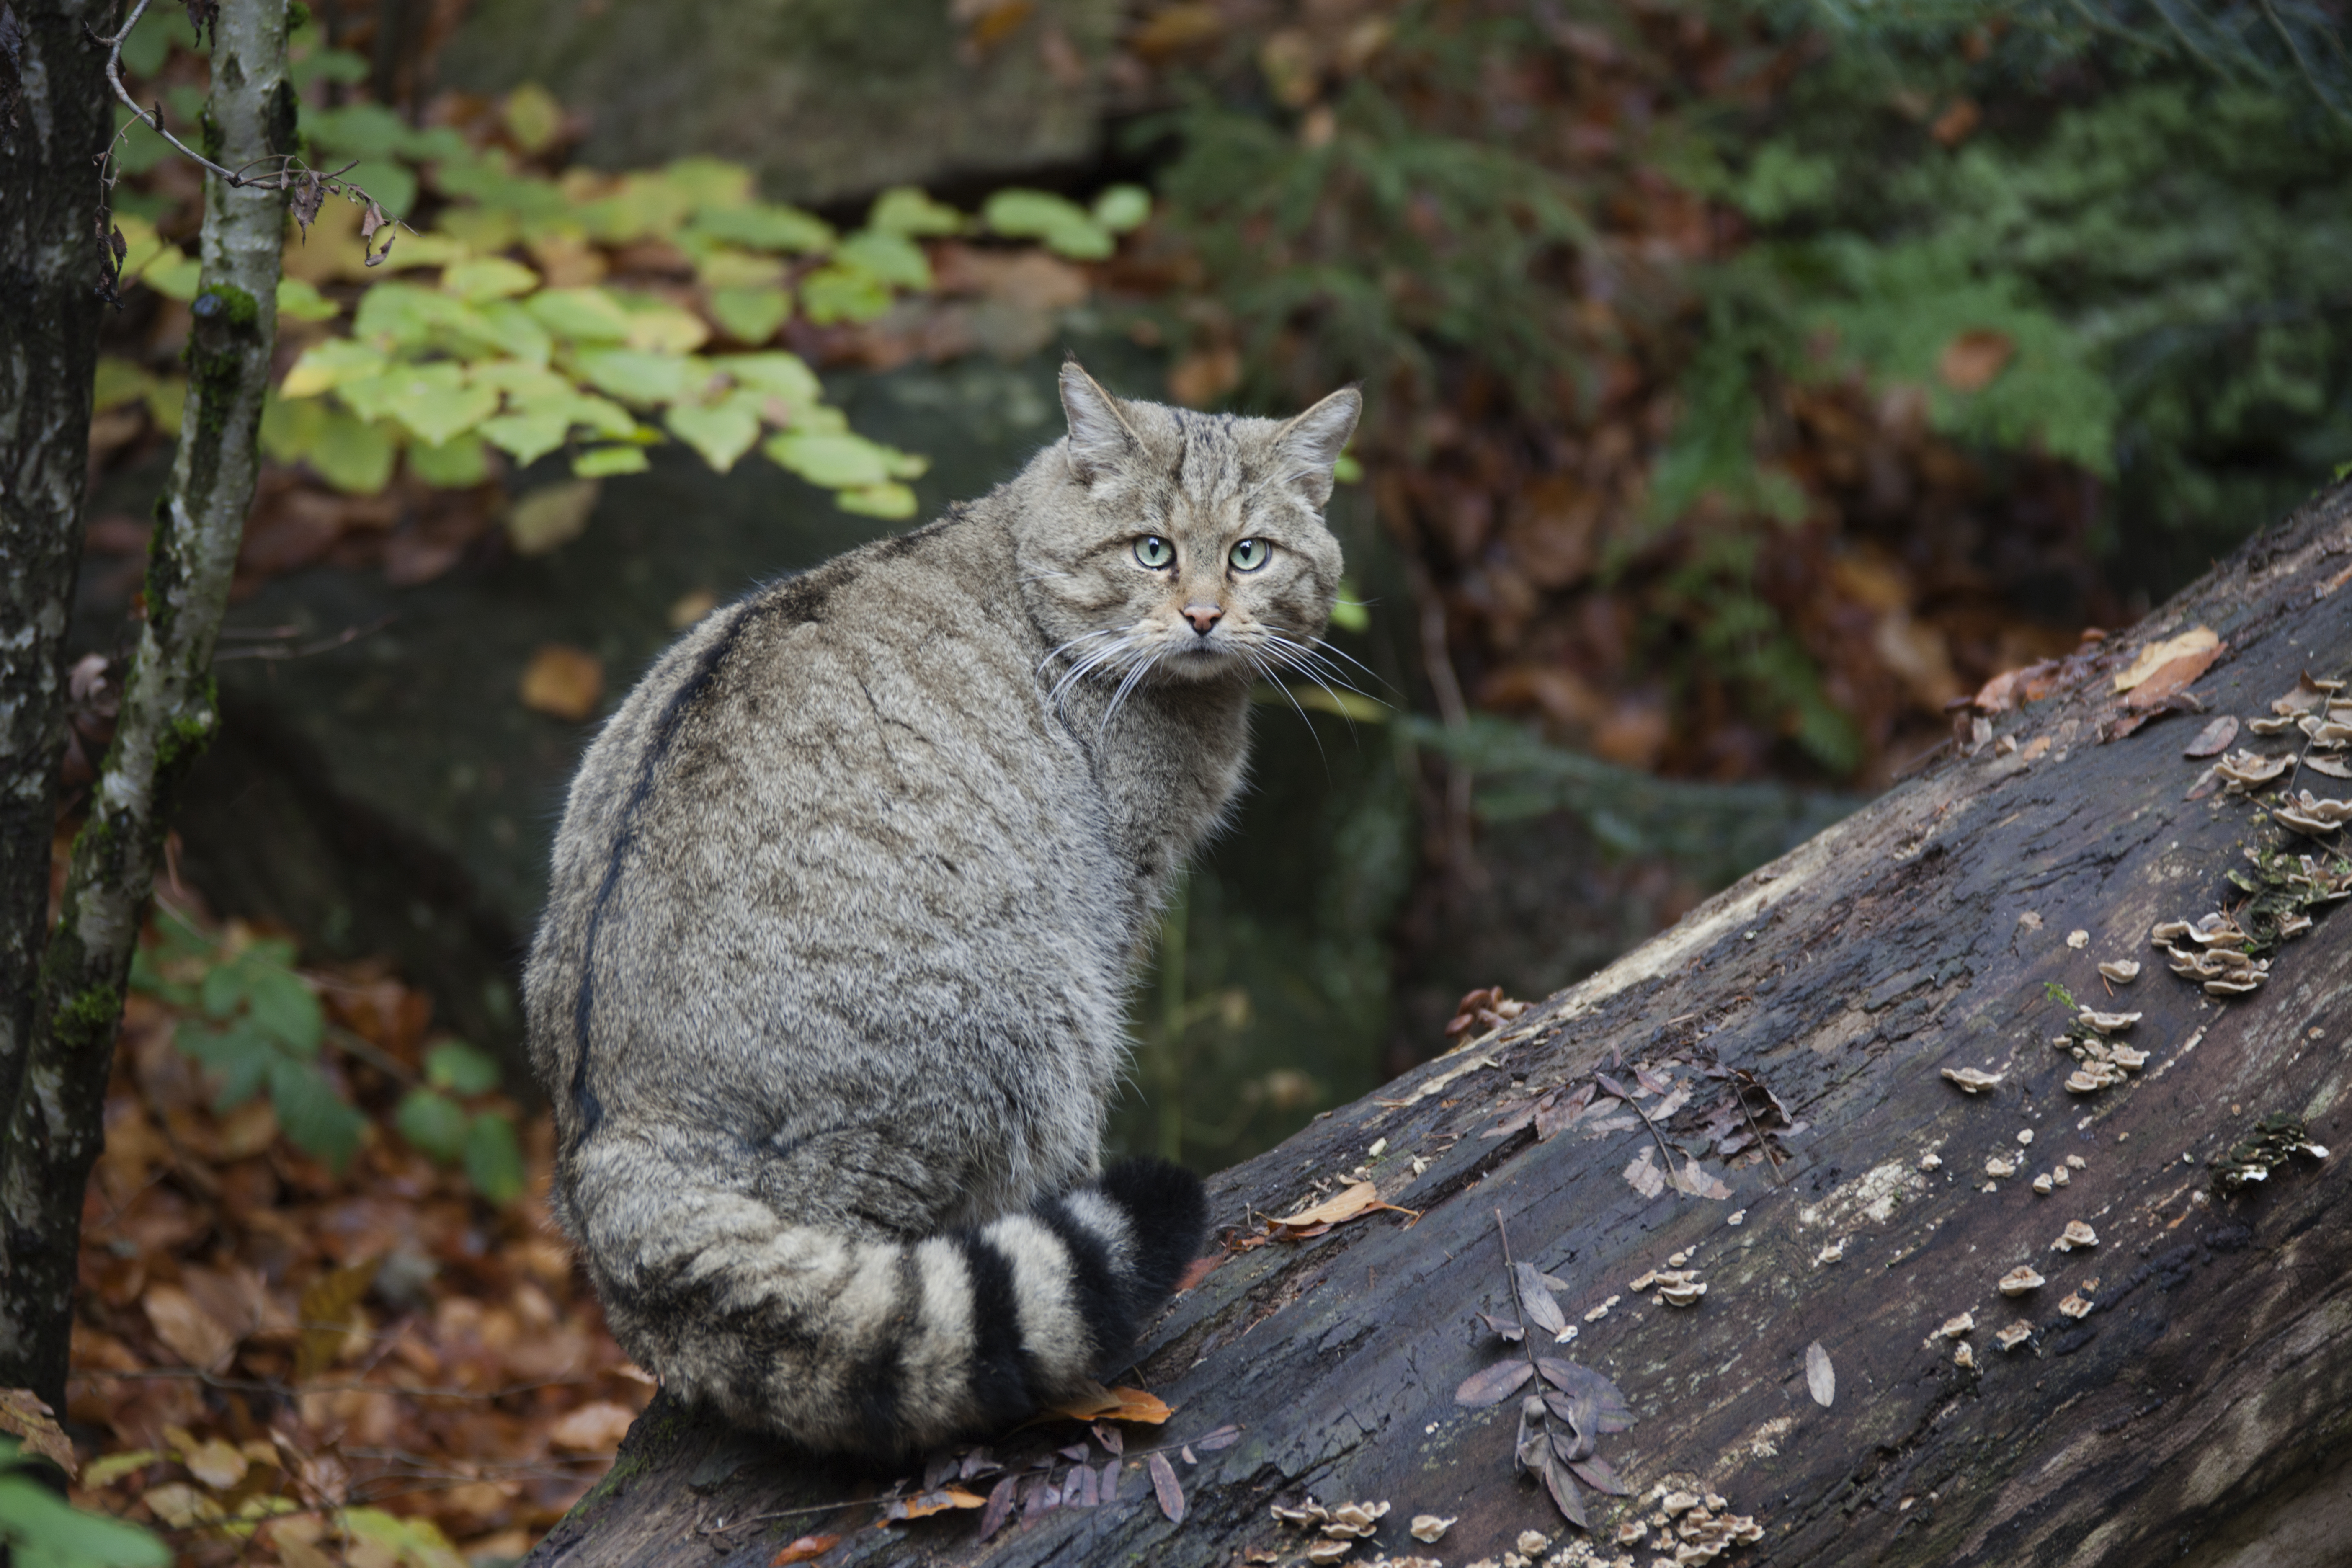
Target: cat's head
(1164, 544)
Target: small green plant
(257, 1026)
(40, 1529)
(2060, 995)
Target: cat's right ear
(1100, 437)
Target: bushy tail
(885, 1348)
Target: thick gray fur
(830, 990)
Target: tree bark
(2191, 1405)
(54, 119)
(168, 713)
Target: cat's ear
(1100, 437)
(1310, 444)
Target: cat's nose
(1203, 616)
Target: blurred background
(1745, 383)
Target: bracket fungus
(2076, 1234)
(1999, 1166)
(2016, 1334)
(1954, 1327)
(2075, 1306)
(2308, 814)
(2108, 1022)
(2020, 1279)
(2247, 770)
(2122, 971)
(1972, 1080)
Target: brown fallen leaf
(2153, 657)
(1973, 358)
(805, 1549)
(1643, 1174)
(596, 1427)
(2214, 739)
(2170, 679)
(24, 1413)
(192, 1334)
(1493, 1385)
(1163, 1485)
(1353, 1202)
(563, 682)
(925, 1504)
(1000, 1505)
(1200, 1268)
(1114, 1405)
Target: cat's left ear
(1310, 444)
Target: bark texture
(2194, 1404)
(168, 713)
(54, 119)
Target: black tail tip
(1169, 1215)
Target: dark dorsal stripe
(795, 600)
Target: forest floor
(275, 1361)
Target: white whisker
(1291, 697)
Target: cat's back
(846, 786)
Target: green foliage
(474, 349)
(1350, 259)
(2164, 261)
(40, 1529)
(259, 1030)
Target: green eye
(1250, 555)
(1154, 551)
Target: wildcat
(829, 992)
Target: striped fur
(830, 990)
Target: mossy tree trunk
(2184, 1383)
(167, 714)
(54, 116)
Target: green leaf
(314, 1118)
(493, 1160)
(604, 462)
(456, 464)
(508, 327)
(635, 376)
(302, 301)
(239, 1056)
(1060, 223)
(525, 437)
(487, 277)
(764, 226)
(657, 326)
(433, 1122)
(889, 499)
(327, 366)
(1348, 470)
(1121, 208)
(281, 1007)
(119, 382)
(435, 402)
(835, 462)
(175, 280)
(833, 294)
(353, 455)
(721, 433)
(533, 117)
(460, 1069)
(580, 315)
(1347, 613)
(903, 209)
(892, 258)
(711, 181)
(42, 1530)
(782, 376)
(404, 315)
(752, 315)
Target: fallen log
(1832, 1111)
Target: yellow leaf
(28, 1415)
(1353, 1202)
(327, 1308)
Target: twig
(1511, 1273)
(1740, 1089)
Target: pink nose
(1203, 616)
